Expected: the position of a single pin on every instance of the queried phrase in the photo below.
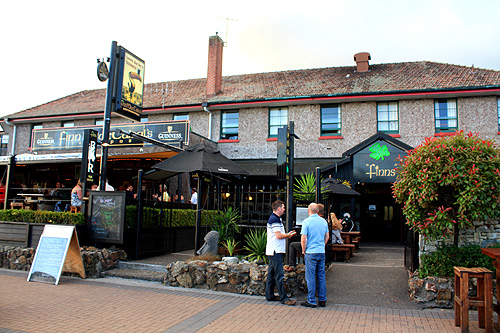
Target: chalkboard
(57, 251)
(107, 216)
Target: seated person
(336, 227)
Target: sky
(50, 48)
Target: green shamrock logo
(379, 151)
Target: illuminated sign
(170, 132)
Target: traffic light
(282, 156)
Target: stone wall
(95, 261)
(435, 292)
(241, 277)
(481, 233)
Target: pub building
(353, 123)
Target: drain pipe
(205, 105)
(10, 166)
(13, 146)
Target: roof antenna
(227, 26)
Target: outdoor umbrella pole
(198, 214)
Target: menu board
(107, 216)
(57, 250)
(301, 214)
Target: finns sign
(377, 163)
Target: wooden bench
(355, 241)
(346, 249)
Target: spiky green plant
(256, 241)
(230, 245)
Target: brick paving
(118, 305)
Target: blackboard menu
(107, 216)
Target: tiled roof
(333, 81)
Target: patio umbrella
(203, 159)
(200, 158)
(335, 186)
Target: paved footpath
(119, 305)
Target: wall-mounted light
(250, 198)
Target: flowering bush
(446, 183)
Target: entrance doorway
(380, 215)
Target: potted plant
(230, 246)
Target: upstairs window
(278, 117)
(388, 117)
(144, 119)
(181, 116)
(69, 123)
(34, 127)
(331, 120)
(498, 110)
(445, 115)
(99, 122)
(3, 144)
(229, 125)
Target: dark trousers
(275, 277)
(293, 249)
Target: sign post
(123, 95)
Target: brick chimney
(361, 60)
(214, 75)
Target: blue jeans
(315, 269)
(275, 277)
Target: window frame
(388, 122)
(271, 126)
(222, 127)
(448, 118)
(4, 140)
(323, 123)
(186, 114)
(498, 111)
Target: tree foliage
(446, 183)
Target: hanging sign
(89, 163)
(58, 250)
(130, 86)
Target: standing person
(77, 195)
(314, 236)
(194, 196)
(130, 196)
(296, 247)
(275, 250)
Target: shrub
(256, 244)
(41, 216)
(447, 183)
(180, 217)
(441, 262)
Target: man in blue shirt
(314, 236)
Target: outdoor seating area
(351, 245)
(39, 201)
